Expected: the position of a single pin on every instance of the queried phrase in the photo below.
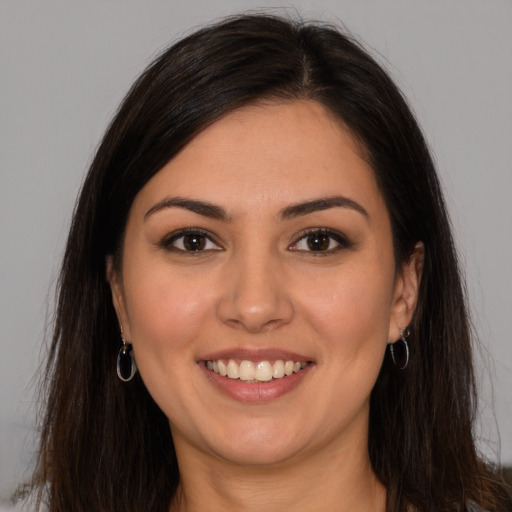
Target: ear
(405, 297)
(116, 287)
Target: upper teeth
(262, 371)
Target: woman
(262, 235)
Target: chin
(260, 455)
(258, 445)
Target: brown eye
(191, 241)
(194, 242)
(318, 242)
(321, 241)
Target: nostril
(256, 319)
(254, 294)
(252, 326)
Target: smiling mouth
(254, 372)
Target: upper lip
(255, 355)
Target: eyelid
(168, 240)
(341, 239)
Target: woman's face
(265, 241)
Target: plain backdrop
(64, 67)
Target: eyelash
(340, 239)
(168, 241)
(206, 238)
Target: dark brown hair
(105, 445)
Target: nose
(255, 294)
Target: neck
(332, 482)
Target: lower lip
(256, 391)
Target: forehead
(268, 153)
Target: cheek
(166, 315)
(351, 311)
(165, 310)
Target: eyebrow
(203, 208)
(315, 205)
(210, 210)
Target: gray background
(66, 65)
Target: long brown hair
(105, 445)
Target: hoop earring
(404, 333)
(126, 366)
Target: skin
(257, 284)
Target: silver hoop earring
(126, 366)
(405, 355)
